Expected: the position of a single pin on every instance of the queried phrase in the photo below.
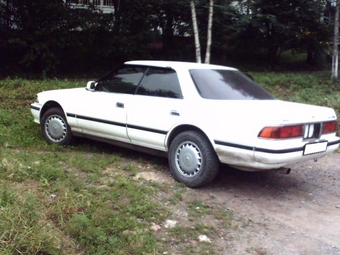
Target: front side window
(160, 82)
(227, 85)
(123, 80)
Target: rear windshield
(227, 85)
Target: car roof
(177, 64)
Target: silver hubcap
(188, 159)
(55, 128)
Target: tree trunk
(335, 59)
(168, 35)
(194, 23)
(117, 21)
(209, 33)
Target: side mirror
(90, 86)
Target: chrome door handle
(120, 105)
(174, 113)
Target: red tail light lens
(282, 132)
(330, 127)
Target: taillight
(329, 127)
(282, 132)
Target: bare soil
(277, 213)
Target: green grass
(45, 193)
(82, 199)
(66, 200)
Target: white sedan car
(197, 115)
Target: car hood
(64, 97)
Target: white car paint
(232, 126)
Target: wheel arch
(48, 105)
(179, 129)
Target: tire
(54, 127)
(192, 159)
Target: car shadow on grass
(226, 179)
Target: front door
(104, 110)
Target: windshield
(227, 85)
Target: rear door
(155, 109)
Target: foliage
(32, 34)
(51, 38)
(286, 25)
(47, 38)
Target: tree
(277, 26)
(171, 26)
(52, 36)
(32, 34)
(196, 33)
(335, 58)
(209, 32)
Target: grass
(83, 199)
(49, 200)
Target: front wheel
(54, 127)
(192, 159)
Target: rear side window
(160, 82)
(227, 85)
(122, 80)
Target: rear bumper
(259, 159)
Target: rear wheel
(192, 159)
(54, 127)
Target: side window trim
(141, 80)
(121, 86)
(174, 90)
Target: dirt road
(295, 214)
(276, 213)
(290, 214)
